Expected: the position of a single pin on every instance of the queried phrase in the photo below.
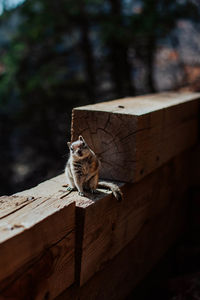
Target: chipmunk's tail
(113, 187)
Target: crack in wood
(108, 121)
(18, 208)
(34, 261)
(113, 165)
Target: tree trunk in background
(120, 66)
(87, 51)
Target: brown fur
(82, 170)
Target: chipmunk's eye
(71, 149)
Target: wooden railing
(58, 246)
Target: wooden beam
(116, 276)
(123, 272)
(135, 136)
(110, 226)
(140, 140)
(105, 227)
(37, 241)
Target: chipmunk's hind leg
(93, 183)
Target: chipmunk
(82, 170)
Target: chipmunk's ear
(81, 138)
(68, 144)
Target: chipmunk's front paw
(81, 194)
(70, 189)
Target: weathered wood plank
(43, 277)
(58, 192)
(134, 136)
(37, 240)
(109, 226)
(10, 204)
(123, 272)
(120, 275)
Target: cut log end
(133, 142)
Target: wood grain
(124, 271)
(140, 140)
(148, 131)
(37, 240)
(104, 227)
(45, 276)
(110, 226)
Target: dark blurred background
(55, 55)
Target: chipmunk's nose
(79, 152)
